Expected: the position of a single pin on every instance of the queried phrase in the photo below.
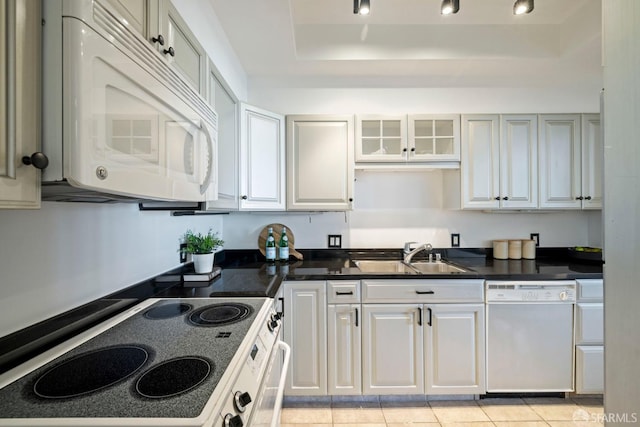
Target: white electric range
(164, 362)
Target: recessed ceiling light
(449, 7)
(520, 7)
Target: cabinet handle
(344, 293)
(171, 51)
(430, 314)
(356, 317)
(425, 292)
(38, 160)
(580, 198)
(158, 39)
(588, 198)
(419, 316)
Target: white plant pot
(203, 263)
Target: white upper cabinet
(319, 162)
(20, 107)
(499, 162)
(519, 161)
(225, 105)
(262, 159)
(434, 138)
(381, 138)
(161, 25)
(560, 161)
(480, 162)
(592, 162)
(412, 138)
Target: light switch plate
(536, 237)
(455, 240)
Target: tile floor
(494, 412)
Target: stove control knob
(233, 421)
(272, 325)
(241, 400)
(276, 316)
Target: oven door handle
(275, 421)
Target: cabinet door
(135, 12)
(344, 349)
(519, 161)
(226, 107)
(381, 138)
(454, 349)
(319, 162)
(589, 369)
(305, 320)
(559, 161)
(392, 349)
(19, 103)
(592, 162)
(480, 162)
(181, 47)
(262, 159)
(434, 138)
(589, 323)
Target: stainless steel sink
(399, 267)
(437, 267)
(384, 266)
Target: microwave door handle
(207, 179)
(283, 378)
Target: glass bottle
(283, 246)
(270, 247)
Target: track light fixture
(520, 7)
(450, 6)
(361, 7)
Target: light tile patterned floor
(493, 412)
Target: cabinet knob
(170, 51)
(158, 39)
(350, 199)
(413, 149)
(580, 198)
(497, 198)
(505, 198)
(588, 198)
(404, 150)
(244, 197)
(38, 160)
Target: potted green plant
(201, 247)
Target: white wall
(392, 208)
(67, 254)
(621, 32)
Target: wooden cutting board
(277, 231)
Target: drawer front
(589, 323)
(589, 369)
(590, 290)
(343, 291)
(416, 291)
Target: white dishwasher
(530, 339)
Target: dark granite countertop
(245, 274)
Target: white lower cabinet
(305, 330)
(589, 369)
(344, 349)
(392, 359)
(454, 348)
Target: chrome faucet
(410, 253)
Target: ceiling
(408, 43)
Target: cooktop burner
(173, 377)
(167, 311)
(220, 314)
(80, 375)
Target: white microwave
(118, 122)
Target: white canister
(529, 249)
(515, 249)
(500, 249)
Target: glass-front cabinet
(407, 138)
(434, 138)
(381, 138)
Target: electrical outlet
(455, 240)
(536, 237)
(334, 241)
(183, 255)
